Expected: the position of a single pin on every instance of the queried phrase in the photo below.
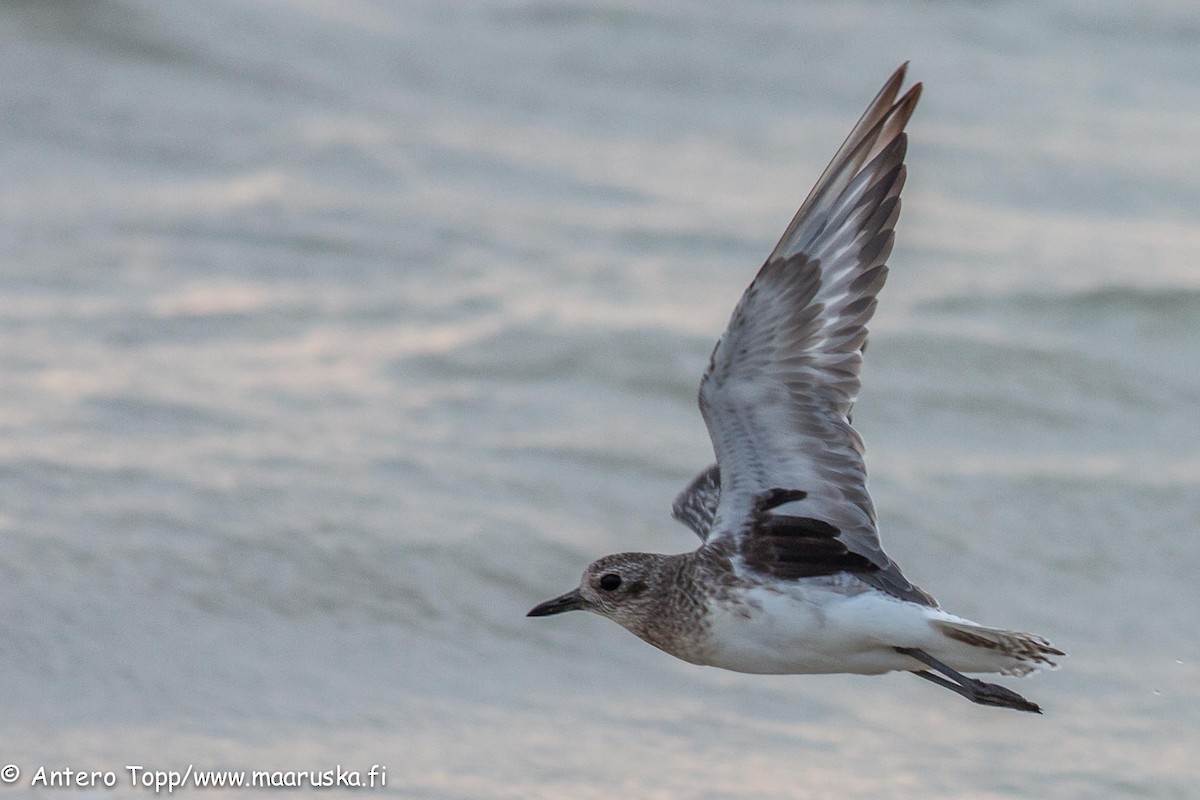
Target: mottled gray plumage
(696, 505)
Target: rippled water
(334, 336)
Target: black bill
(571, 601)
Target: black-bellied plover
(791, 576)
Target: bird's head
(622, 587)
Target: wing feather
(783, 379)
(696, 505)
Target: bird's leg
(940, 681)
(987, 694)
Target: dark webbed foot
(977, 691)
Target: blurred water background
(333, 336)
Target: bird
(790, 576)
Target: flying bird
(790, 576)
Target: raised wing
(696, 505)
(784, 376)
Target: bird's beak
(571, 601)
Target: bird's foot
(977, 691)
(993, 694)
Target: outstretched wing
(784, 376)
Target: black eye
(610, 581)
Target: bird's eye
(610, 581)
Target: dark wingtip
(894, 81)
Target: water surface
(334, 336)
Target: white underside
(810, 628)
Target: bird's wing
(783, 378)
(696, 505)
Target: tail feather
(1029, 652)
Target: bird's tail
(1026, 652)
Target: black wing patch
(796, 547)
(791, 547)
